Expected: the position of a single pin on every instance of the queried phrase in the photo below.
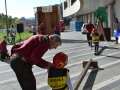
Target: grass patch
(24, 35)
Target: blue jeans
(96, 47)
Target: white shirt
(69, 84)
(33, 28)
(117, 26)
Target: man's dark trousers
(24, 73)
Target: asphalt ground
(106, 77)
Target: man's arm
(86, 26)
(69, 82)
(37, 56)
(48, 66)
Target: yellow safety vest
(57, 78)
(95, 38)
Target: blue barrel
(77, 25)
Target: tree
(11, 21)
(3, 21)
(101, 16)
(101, 11)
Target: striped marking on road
(68, 48)
(75, 46)
(56, 51)
(69, 58)
(52, 55)
(107, 82)
(73, 75)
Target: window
(65, 5)
(72, 2)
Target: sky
(24, 8)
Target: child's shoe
(95, 53)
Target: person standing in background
(89, 26)
(41, 29)
(13, 35)
(33, 29)
(57, 29)
(116, 29)
(3, 49)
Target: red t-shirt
(42, 28)
(33, 49)
(57, 27)
(3, 46)
(89, 27)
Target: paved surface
(107, 77)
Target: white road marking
(72, 76)
(66, 53)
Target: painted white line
(6, 71)
(75, 46)
(104, 83)
(69, 52)
(8, 80)
(68, 48)
(3, 65)
(53, 55)
(69, 58)
(73, 75)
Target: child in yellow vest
(58, 77)
(95, 39)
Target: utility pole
(6, 17)
(35, 16)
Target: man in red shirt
(57, 29)
(41, 29)
(89, 26)
(30, 53)
(3, 49)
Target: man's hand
(7, 53)
(49, 65)
(87, 31)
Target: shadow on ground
(6, 61)
(101, 50)
(91, 79)
(106, 47)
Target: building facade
(84, 10)
(27, 22)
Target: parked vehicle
(62, 25)
(83, 29)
